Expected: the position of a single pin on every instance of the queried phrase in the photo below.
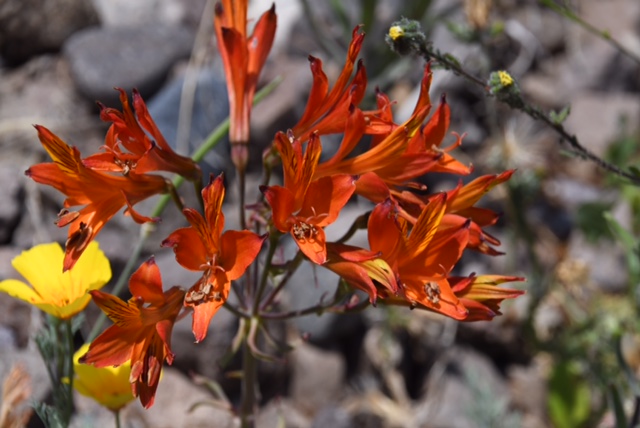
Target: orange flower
(102, 194)
(129, 150)
(243, 58)
(481, 296)
(361, 269)
(397, 156)
(327, 109)
(222, 257)
(422, 257)
(141, 332)
(304, 207)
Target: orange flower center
(303, 231)
(433, 292)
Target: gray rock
(210, 108)
(132, 57)
(31, 27)
(317, 377)
(122, 13)
(12, 193)
(332, 416)
(282, 412)
(175, 398)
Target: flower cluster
(415, 239)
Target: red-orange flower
(398, 155)
(243, 58)
(129, 148)
(102, 194)
(141, 332)
(481, 296)
(361, 269)
(222, 257)
(422, 257)
(304, 207)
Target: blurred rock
(130, 57)
(30, 358)
(210, 108)
(317, 377)
(471, 393)
(596, 118)
(545, 25)
(42, 92)
(12, 195)
(31, 27)
(175, 398)
(122, 13)
(332, 416)
(528, 391)
(606, 260)
(282, 413)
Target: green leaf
(559, 117)
(589, 220)
(569, 397)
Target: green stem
(68, 370)
(116, 415)
(273, 245)
(603, 34)
(533, 111)
(291, 269)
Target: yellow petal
(93, 268)
(41, 266)
(20, 290)
(109, 386)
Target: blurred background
(567, 354)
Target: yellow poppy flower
(62, 295)
(109, 386)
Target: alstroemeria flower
(102, 194)
(422, 257)
(62, 295)
(129, 148)
(243, 58)
(222, 257)
(304, 207)
(109, 386)
(482, 296)
(141, 332)
(361, 269)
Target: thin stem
(242, 174)
(69, 372)
(273, 245)
(533, 111)
(116, 415)
(603, 34)
(249, 382)
(291, 268)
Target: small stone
(282, 412)
(130, 57)
(317, 377)
(32, 27)
(173, 406)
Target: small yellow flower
(109, 386)
(396, 32)
(62, 295)
(505, 78)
